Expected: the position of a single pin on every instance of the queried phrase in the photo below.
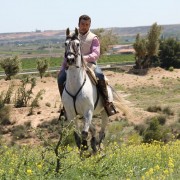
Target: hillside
(31, 36)
(168, 31)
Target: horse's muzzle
(70, 60)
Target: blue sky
(29, 15)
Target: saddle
(90, 72)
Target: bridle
(72, 49)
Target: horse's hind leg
(104, 123)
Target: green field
(30, 63)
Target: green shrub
(171, 68)
(167, 110)
(11, 66)
(21, 131)
(52, 129)
(140, 128)
(155, 130)
(2, 99)
(5, 115)
(23, 95)
(161, 119)
(8, 95)
(42, 66)
(154, 108)
(35, 102)
(5, 98)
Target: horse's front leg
(87, 122)
(93, 139)
(88, 126)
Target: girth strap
(74, 96)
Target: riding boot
(62, 111)
(109, 106)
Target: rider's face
(84, 26)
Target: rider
(91, 51)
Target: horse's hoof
(84, 135)
(84, 145)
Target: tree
(169, 54)
(140, 50)
(11, 66)
(42, 66)
(147, 48)
(106, 38)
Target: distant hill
(131, 31)
(168, 31)
(31, 36)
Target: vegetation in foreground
(144, 161)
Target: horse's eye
(77, 44)
(66, 43)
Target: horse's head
(72, 48)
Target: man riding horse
(90, 47)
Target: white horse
(80, 95)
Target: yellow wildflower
(29, 171)
(69, 148)
(157, 167)
(166, 172)
(151, 171)
(39, 166)
(170, 165)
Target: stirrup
(110, 109)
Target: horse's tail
(121, 104)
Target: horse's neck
(75, 78)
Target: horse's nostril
(70, 61)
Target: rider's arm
(95, 51)
(64, 64)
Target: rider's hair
(84, 17)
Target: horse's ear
(67, 32)
(76, 31)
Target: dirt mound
(156, 70)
